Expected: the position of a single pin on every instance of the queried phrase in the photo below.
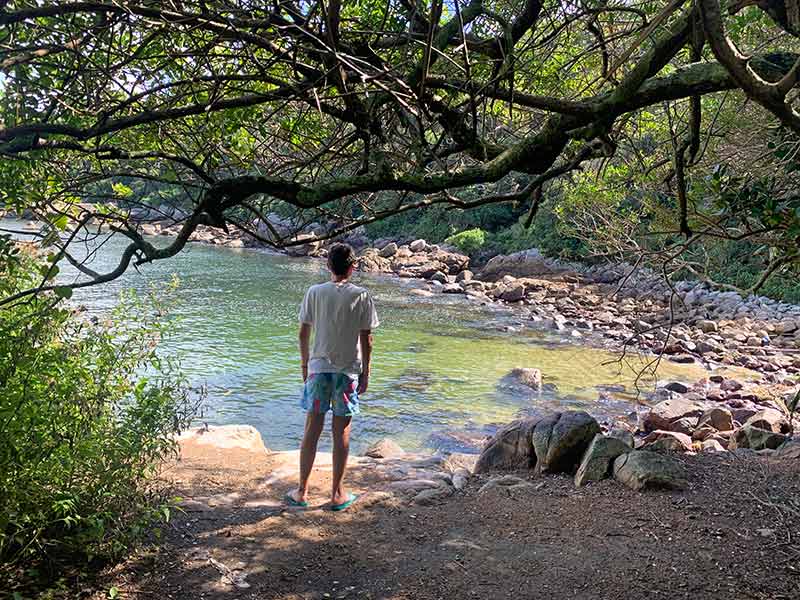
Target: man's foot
(345, 503)
(295, 498)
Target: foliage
(469, 241)
(88, 410)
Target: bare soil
(735, 533)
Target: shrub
(469, 241)
(88, 411)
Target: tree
(351, 112)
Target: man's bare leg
(308, 452)
(341, 448)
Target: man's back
(338, 312)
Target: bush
(88, 411)
(469, 241)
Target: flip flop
(292, 502)
(340, 507)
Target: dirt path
(731, 535)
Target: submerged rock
(640, 470)
(528, 377)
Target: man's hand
(363, 383)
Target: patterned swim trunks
(331, 391)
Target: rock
(770, 419)
(452, 288)
(677, 387)
(438, 276)
(730, 385)
(707, 326)
(669, 441)
(418, 246)
(640, 469)
(598, 458)
(235, 243)
(720, 419)
(560, 440)
(510, 448)
(528, 263)
(528, 377)
(664, 413)
(415, 485)
(464, 276)
(385, 448)
(622, 435)
(755, 439)
(712, 446)
(388, 250)
(245, 437)
(707, 346)
(460, 478)
(515, 293)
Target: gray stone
(452, 288)
(460, 478)
(598, 458)
(707, 326)
(510, 448)
(388, 250)
(755, 439)
(640, 470)
(623, 435)
(560, 440)
(789, 450)
(730, 385)
(439, 276)
(418, 246)
(770, 419)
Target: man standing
(336, 370)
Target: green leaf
(113, 593)
(63, 291)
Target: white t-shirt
(338, 312)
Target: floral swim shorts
(331, 391)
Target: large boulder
(388, 250)
(756, 438)
(527, 263)
(510, 448)
(641, 470)
(598, 458)
(789, 450)
(561, 439)
(663, 414)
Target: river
(439, 363)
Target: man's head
(341, 259)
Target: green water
(438, 364)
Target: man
(336, 370)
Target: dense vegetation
(617, 119)
(88, 411)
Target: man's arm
(305, 336)
(365, 338)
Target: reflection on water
(438, 361)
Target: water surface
(439, 363)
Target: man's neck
(338, 279)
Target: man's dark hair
(340, 258)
